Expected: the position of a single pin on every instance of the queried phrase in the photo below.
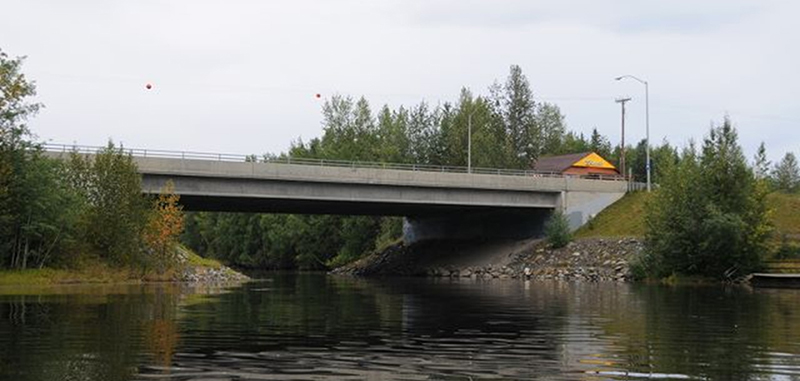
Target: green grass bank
(625, 218)
(100, 272)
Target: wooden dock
(776, 280)
(778, 273)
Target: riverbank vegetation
(713, 215)
(557, 230)
(78, 212)
(100, 272)
(625, 218)
(709, 216)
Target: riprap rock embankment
(591, 259)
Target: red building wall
(583, 171)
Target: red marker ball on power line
(148, 86)
(318, 95)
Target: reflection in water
(161, 329)
(318, 327)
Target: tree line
(784, 176)
(510, 129)
(76, 210)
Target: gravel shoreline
(205, 274)
(590, 259)
(199, 274)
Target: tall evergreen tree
(637, 159)
(661, 156)
(489, 139)
(364, 131)
(550, 122)
(760, 163)
(786, 174)
(574, 143)
(520, 118)
(600, 144)
(454, 128)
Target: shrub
(557, 230)
(787, 249)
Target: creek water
(314, 327)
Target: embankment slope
(602, 249)
(625, 218)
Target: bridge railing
(224, 157)
(139, 152)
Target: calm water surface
(312, 327)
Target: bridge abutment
(579, 206)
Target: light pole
(647, 119)
(622, 143)
(469, 141)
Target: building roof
(558, 163)
(561, 163)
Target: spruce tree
(786, 174)
(551, 124)
(520, 118)
(709, 216)
(761, 163)
(600, 144)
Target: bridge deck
(313, 187)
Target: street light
(469, 141)
(647, 119)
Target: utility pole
(647, 123)
(646, 118)
(622, 101)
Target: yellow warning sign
(593, 160)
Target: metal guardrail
(634, 186)
(224, 157)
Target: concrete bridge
(437, 201)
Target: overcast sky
(240, 76)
